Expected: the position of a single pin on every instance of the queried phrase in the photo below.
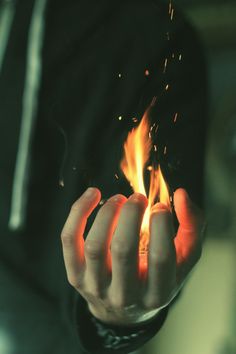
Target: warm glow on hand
(105, 267)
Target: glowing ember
(154, 99)
(147, 72)
(165, 65)
(61, 183)
(137, 148)
(175, 117)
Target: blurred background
(203, 321)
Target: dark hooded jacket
(69, 70)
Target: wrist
(129, 316)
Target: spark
(153, 101)
(102, 201)
(173, 55)
(156, 128)
(152, 126)
(167, 87)
(165, 65)
(149, 134)
(61, 183)
(120, 117)
(147, 73)
(116, 176)
(149, 168)
(155, 147)
(168, 35)
(170, 7)
(180, 57)
(119, 75)
(134, 120)
(172, 14)
(175, 117)
(165, 150)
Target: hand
(104, 269)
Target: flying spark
(153, 101)
(165, 65)
(61, 183)
(102, 201)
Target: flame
(137, 148)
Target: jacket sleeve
(97, 337)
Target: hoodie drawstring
(7, 10)
(29, 113)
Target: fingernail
(137, 197)
(116, 198)
(159, 207)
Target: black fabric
(79, 139)
(107, 339)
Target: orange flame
(137, 148)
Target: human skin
(104, 268)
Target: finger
(190, 233)
(98, 241)
(73, 230)
(124, 249)
(161, 277)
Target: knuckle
(160, 259)
(118, 303)
(74, 281)
(152, 304)
(67, 239)
(92, 294)
(93, 250)
(96, 292)
(121, 251)
(76, 206)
